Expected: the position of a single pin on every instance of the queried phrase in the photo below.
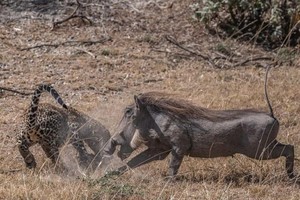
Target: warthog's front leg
(175, 162)
(145, 157)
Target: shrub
(266, 22)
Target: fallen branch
(39, 46)
(211, 61)
(72, 16)
(9, 171)
(236, 63)
(82, 17)
(87, 52)
(223, 57)
(15, 91)
(153, 80)
(251, 60)
(70, 42)
(206, 58)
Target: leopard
(51, 127)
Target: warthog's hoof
(292, 176)
(31, 165)
(119, 171)
(113, 173)
(171, 178)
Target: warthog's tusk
(137, 140)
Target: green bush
(266, 22)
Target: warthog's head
(127, 134)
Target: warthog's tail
(36, 98)
(266, 92)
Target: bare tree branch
(204, 57)
(15, 91)
(73, 15)
(234, 62)
(70, 42)
(251, 60)
(9, 171)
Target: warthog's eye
(133, 117)
(128, 112)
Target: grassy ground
(101, 79)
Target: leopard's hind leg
(85, 158)
(23, 146)
(51, 152)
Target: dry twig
(15, 91)
(204, 57)
(87, 52)
(9, 171)
(73, 15)
(70, 42)
(251, 60)
(211, 61)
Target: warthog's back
(243, 133)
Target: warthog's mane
(167, 104)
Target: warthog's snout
(125, 151)
(123, 156)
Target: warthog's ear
(138, 103)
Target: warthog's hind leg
(288, 152)
(276, 150)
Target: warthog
(167, 125)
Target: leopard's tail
(36, 98)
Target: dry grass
(101, 79)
